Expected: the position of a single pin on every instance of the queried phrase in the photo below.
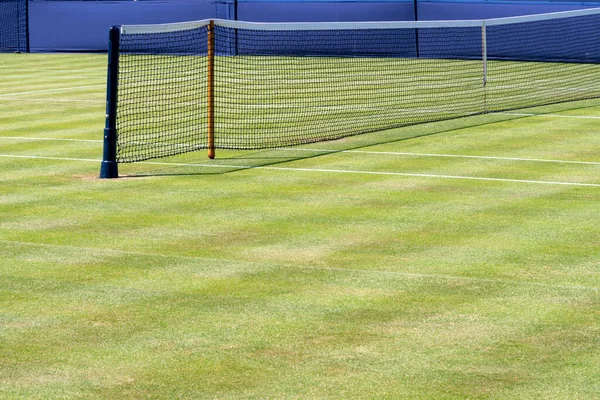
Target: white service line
(68, 77)
(323, 170)
(57, 71)
(393, 153)
(397, 153)
(49, 139)
(432, 176)
(50, 158)
(53, 100)
(52, 90)
(550, 115)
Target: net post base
(109, 169)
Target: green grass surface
(461, 263)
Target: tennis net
(239, 85)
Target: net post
(27, 45)
(484, 59)
(109, 167)
(416, 14)
(484, 51)
(23, 47)
(211, 89)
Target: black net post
(416, 14)
(109, 167)
(211, 89)
(26, 26)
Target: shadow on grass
(188, 164)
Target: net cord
(484, 51)
(321, 26)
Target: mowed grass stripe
(50, 119)
(398, 231)
(55, 64)
(93, 252)
(40, 123)
(323, 325)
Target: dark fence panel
(13, 26)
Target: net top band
(303, 26)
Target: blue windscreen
(558, 40)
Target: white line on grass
(49, 158)
(57, 71)
(323, 170)
(397, 153)
(550, 115)
(52, 90)
(431, 176)
(311, 267)
(49, 139)
(54, 79)
(393, 153)
(53, 100)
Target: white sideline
(316, 268)
(431, 176)
(550, 115)
(323, 170)
(398, 153)
(53, 100)
(52, 90)
(50, 158)
(49, 139)
(57, 71)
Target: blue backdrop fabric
(76, 25)
(83, 25)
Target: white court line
(50, 139)
(397, 153)
(550, 115)
(316, 268)
(323, 170)
(49, 158)
(394, 153)
(54, 100)
(431, 176)
(58, 71)
(52, 90)
(54, 78)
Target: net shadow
(231, 162)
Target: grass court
(449, 260)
